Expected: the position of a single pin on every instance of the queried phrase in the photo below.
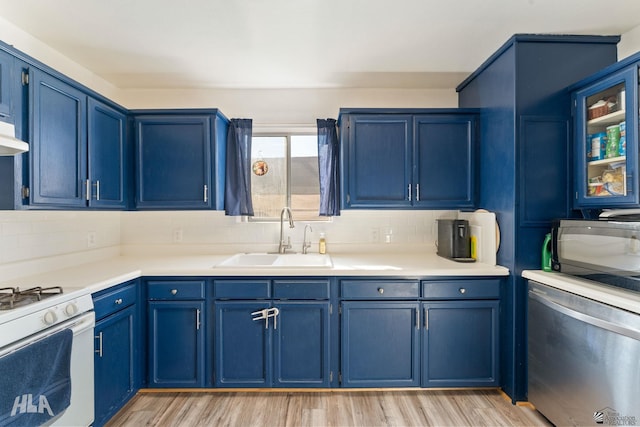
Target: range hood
(9, 144)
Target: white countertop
(617, 297)
(95, 276)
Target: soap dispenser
(322, 244)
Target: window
(285, 173)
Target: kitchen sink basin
(265, 260)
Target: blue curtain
(237, 191)
(328, 167)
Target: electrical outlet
(91, 239)
(177, 235)
(375, 235)
(387, 233)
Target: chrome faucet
(284, 245)
(306, 244)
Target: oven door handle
(77, 325)
(595, 321)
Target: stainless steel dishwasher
(584, 359)
(584, 335)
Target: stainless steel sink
(267, 260)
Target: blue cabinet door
(114, 363)
(444, 156)
(301, 344)
(460, 344)
(604, 179)
(58, 142)
(6, 75)
(106, 156)
(380, 344)
(379, 161)
(176, 343)
(242, 345)
(173, 156)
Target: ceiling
(300, 43)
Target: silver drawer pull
(174, 291)
(118, 301)
(462, 290)
(381, 291)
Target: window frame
(286, 133)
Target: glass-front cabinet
(606, 149)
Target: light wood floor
(336, 408)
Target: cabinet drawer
(379, 289)
(301, 289)
(242, 289)
(461, 289)
(110, 301)
(175, 290)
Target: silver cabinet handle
(417, 192)
(409, 191)
(426, 319)
(174, 291)
(87, 185)
(274, 312)
(197, 319)
(118, 301)
(417, 318)
(206, 193)
(99, 350)
(98, 190)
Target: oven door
(80, 410)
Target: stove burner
(13, 297)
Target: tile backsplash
(353, 230)
(29, 235)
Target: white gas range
(54, 325)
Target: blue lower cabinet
(114, 363)
(176, 344)
(380, 344)
(460, 344)
(242, 345)
(301, 345)
(116, 349)
(289, 348)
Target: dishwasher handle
(595, 321)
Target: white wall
(629, 43)
(288, 106)
(26, 235)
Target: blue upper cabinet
(378, 148)
(77, 155)
(444, 154)
(180, 159)
(606, 139)
(107, 156)
(402, 159)
(58, 142)
(6, 73)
